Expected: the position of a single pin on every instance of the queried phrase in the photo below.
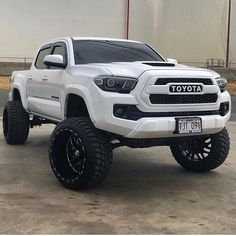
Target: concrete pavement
(145, 193)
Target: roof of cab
(103, 39)
(86, 38)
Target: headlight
(115, 84)
(222, 83)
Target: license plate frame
(188, 125)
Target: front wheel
(204, 153)
(80, 155)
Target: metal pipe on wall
(228, 35)
(127, 19)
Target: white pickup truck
(104, 93)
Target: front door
(53, 85)
(35, 81)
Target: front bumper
(153, 127)
(165, 127)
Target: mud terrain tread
(99, 151)
(18, 123)
(217, 156)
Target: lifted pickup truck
(104, 93)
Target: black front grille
(182, 99)
(164, 81)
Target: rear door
(53, 85)
(35, 81)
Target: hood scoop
(166, 64)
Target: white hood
(135, 69)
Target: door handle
(45, 78)
(30, 77)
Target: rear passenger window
(39, 61)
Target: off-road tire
(207, 154)
(80, 155)
(15, 123)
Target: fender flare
(17, 86)
(82, 92)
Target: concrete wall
(6, 68)
(188, 30)
(232, 54)
(26, 24)
(146, 19)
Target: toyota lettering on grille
(183, 88)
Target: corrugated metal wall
(188, 30)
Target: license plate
(188, 125)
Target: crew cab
(104, 93)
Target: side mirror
(172, 60)
(55, 61)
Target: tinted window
(94, 51)
(39, 61)
(60, 50)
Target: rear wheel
(80, 155)
(15, 123)
(204, 153)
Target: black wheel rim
(5, 123)
(68, 155)
(75, 153)
(197, 149)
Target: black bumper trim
(131, 112)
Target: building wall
(187, 30)
(146, 19)
(232, 51)
(26, 24)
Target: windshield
(105, 51)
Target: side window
(60, 49)
(39, 61)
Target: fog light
(119, 111)
(224, 108)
